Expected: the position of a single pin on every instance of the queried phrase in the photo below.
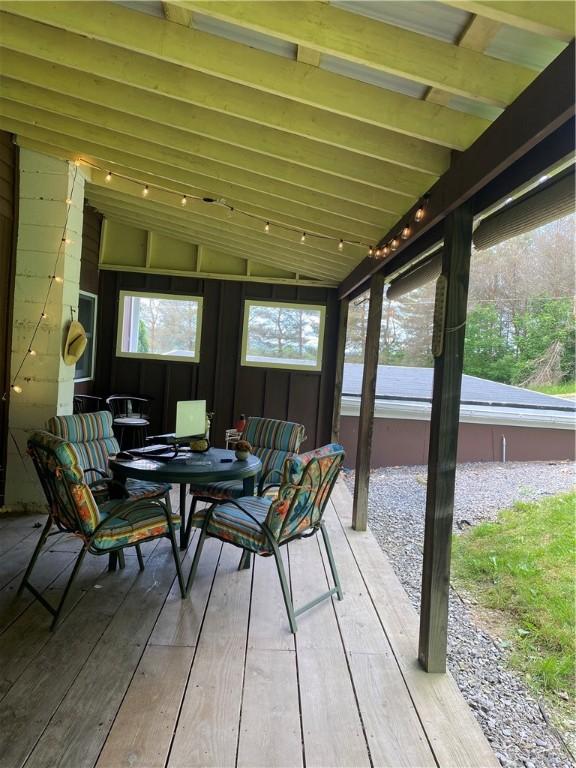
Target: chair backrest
(62, 478)
(306, 486)
(129, 405)
(86, 403)
(92, 436)
(273, 441)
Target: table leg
(248, 486)
(183, 533)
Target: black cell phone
(226, 461)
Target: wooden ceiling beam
(279, 255)
(546, 106)
(236, 228)
(78, 132)
(550, 18)
(213, 72)
(375, 44)
(177, 14)
(300, 217)
(338, 175)
(476, 35)
(198, 121)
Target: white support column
(44, 219)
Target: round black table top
(201, 468)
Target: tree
(143, 343)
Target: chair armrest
(265, 476)
(97, 471)
(111, 485)
(262, 489)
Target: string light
(341, 245)
(394, 245)
(52, 278)
(108, 178)
(184, 200)
(386, 251)
(370, 252)
(303, 237)
(419, 215)
(405, 233)
(267, 227)
(145, 191)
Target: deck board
(137, 677)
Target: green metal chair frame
(59, 515)
(305, 490)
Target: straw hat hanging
(75, 343)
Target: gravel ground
(510, 715)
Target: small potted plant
(243, 449)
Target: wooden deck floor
(136, 677)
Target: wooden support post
(366, 420)
(338, 381)
(450, 326)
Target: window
(283, 335)
(159, 326)
(84, 370)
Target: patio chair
(273, 441)
(86, 403)
(130, 413)
(262, 525)
(103, 528)
(93, 438)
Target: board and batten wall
(8, 220)
(228, 387)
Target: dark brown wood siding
(228, 388)
(89, 274)
(8, 213)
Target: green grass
(566, 388)
(524, 566)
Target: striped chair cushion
(60, 460)
(231, 524)
(273, 433)
(83, 427)
(225, 489)
(94, 442)
(122, 529)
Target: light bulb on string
(386, 251)
(394, 244)
(57, 279)
(184, 200)
(405, 233)
(145, 191)
(108, 177)
(16, 388)
(267, 227)
(341, 245)
(378, 253)
(77, 163)
(32, 352)
(43, 316)
(68, 201)
(419, 215)
(370, 252)
(303, 237)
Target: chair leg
(139, 556)
(112, 561)
(32, 563)
(73, 575)
(245, 560)
(285, 589)
(197, 553)
(328, 546)
(175, 551)
(121, 560)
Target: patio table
(215, 465)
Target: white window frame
(195, 358)
(89, 331)
(248, 303)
